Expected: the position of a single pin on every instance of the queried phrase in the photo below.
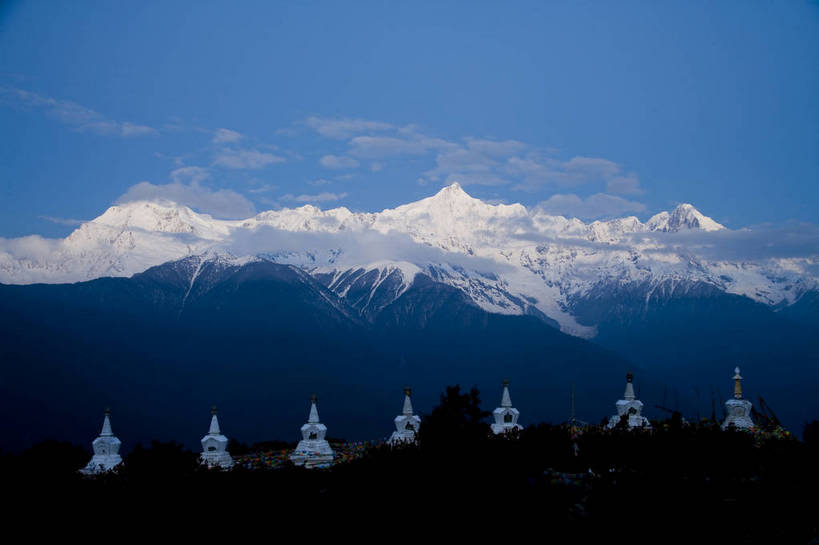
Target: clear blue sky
(594, 109)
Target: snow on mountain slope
(508, 259)
(370, 288)
(124, 240)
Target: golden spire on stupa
(737, 384)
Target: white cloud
(591, 167)
(475, 161)
(193, 175)
(225, 136)
(321, 197)
(472, 161)
(376, 147)
(535, 170)
(245, 159)
(62, 221)
(500, 148)
(407, 142)
(475, 178)
(29, 248)
(320, 182)
(338, 162)
(78, 116)
(596, 206)
(344, 128)
(461, 163)
(625, 185)
(266, 188)
(798, 240)
(220, 203)
(463, 160)
(130, 129)
(359, 247)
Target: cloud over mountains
(485, 162)
(76, 115)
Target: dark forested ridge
(163, 346)
(257, 340)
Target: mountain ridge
(508, 259)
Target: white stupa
(738, 410)
(214, 446)
(506, 416)
(106, 450)
(313, 450)
(406, 423)
(630, 407)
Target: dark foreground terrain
(678, 483)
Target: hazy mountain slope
(694, 338)
(257, 342)
(805, 310)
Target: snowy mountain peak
(157, 217)
(449, 220)
(150, 216)
(453, 191)
(453, 202)
(451, 198)
(684, 216)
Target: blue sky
(586, 108)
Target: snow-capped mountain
(508, 259)
(684, 216)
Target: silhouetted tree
(811, 434)
(261, 446)
(676, 421)
(237, 448)
(458, 419)
(51, 458)
(622, 423)
(161, 461)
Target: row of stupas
(314, 450)
(106, 448)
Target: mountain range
(160, 311)
(505, 258)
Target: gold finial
(737, 384)
(213, 410)
(107, 411)
(629, 376)
(314, 398)
(506, 382)
(408, 391)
